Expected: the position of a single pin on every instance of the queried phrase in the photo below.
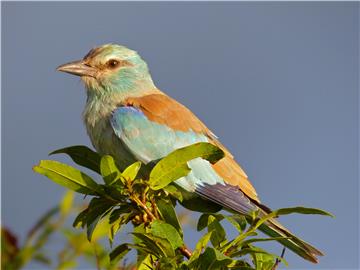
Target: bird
(128, 117)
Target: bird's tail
(232, 198)
(274, 229)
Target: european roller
(128, 117)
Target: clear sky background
(277, 82)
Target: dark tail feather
(234, 199)
(274, 229)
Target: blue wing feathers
(148, 140)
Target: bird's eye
(113, 63)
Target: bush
(147, 201)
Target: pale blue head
(111, 68)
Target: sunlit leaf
(67, 176)
(165, 230)
(145, 263)
(132, 171)
(174, 165)
(114, 228)
(150, 243)
(99, 229)
(174, 191)
(108, 169)
(98, 208)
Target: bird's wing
(152, 126)
(163, 110)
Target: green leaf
(80, 220)
(263, 261)
(212, 259)
(292, 210)
(150, 244)
(165, 230)
(82, 155)
(168, 214)
(115, 214)
(119, 252)
(174, 191)
(255, 250)
(158, 246)
(67, 176)
(174, 165)
(202, 222)
(97, 209)
(200, 205)
(219, 233)
(99, 228)
(139, 229)
(145, 263)
(239, 222)
(132, 171)
(302, 210)
(200, 245)
(114, 228)
(165, 245)
(66, 202)
(108, 170)
(166, 263)
(253, 240)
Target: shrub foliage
(144, 196)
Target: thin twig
(143, 206)
(153, 204)
(278, 260)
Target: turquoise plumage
(127, 117)
(149, 141)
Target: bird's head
(111, 68)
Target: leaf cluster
(145, 196)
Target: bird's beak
(79, 68)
